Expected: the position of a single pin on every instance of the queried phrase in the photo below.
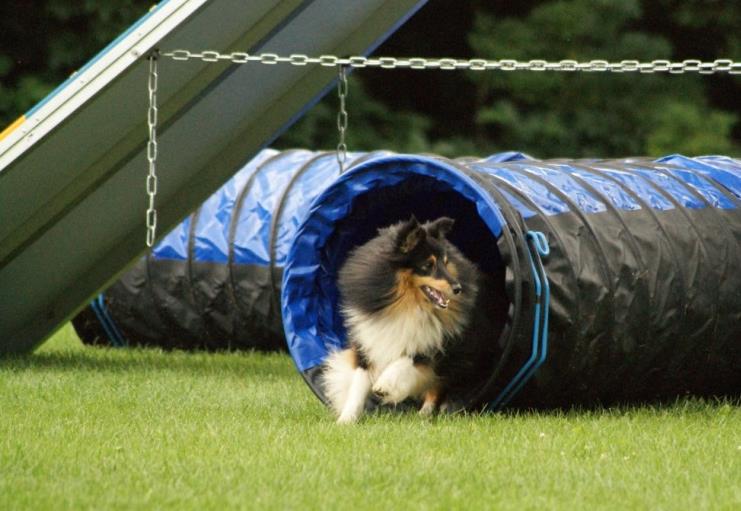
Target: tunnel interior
(427, 197)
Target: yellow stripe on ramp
(7, 131)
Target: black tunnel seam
(610, 207)
(189, 281)
(594, 239)
(677, 206)
(512, 232)
(275, 224)
(278, 213)
(615, 212)
(312, 376)
(634, 244)
(705, 250)
(159, 308)
(683, 211)
(729, 196)
(644, 205)
(233, 221)
(553, 233)
(722, 222)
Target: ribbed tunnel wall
(643, 268)
(214, 281)
(645, 289)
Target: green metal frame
(72, 173)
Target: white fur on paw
(356, 397)
(428, 409)
(347, 418)
(396, 382)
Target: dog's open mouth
(436, 296)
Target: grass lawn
(85, 428)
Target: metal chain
(727, 66)
(342, 117)
(624, 66)
(152, 151)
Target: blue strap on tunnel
(538, 245)
(105, 319)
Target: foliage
(560, 114)
(371, 125)
(456, 113)
(690, 129)
(590, 114)
(42, 42)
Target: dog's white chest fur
(387, 337)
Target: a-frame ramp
(72, 170)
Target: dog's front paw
(428, 409)
(390, 393)
(396, 382)
(348, 418)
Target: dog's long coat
(405, 295)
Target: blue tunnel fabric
(302, 313)
(642, 266)
(633, 254)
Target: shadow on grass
(278, 365)
(682, 404)
(674, 405)
(114, 360)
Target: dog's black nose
(457, 288)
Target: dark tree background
(457, 113)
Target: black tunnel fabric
(643, 266)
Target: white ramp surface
(73, 169)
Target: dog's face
(424, 266)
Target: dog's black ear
(440, 227)
(410, 234)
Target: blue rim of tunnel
(112, 332)
(308, 297)
(538, 245)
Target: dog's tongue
(436, 296)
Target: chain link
(624, 66)
(342, 117)
(152, 151)
(726, 66)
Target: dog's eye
(427, 266)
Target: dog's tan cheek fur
(451, 316)
(454, 309)
(439, 284)
(408, 296)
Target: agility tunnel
(622, 276)
(213, 282)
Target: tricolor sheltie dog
(410, 300)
